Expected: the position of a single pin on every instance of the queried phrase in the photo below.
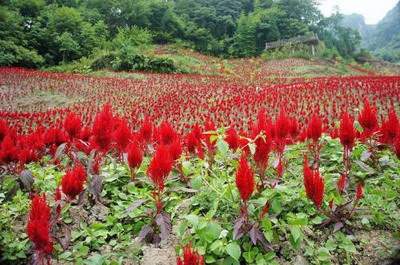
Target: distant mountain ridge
(357, 21)
(382, 39)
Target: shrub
(12, 54)
(104, 61)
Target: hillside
(357, 21)
(385, 39)
(382, 39)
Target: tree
(68, 46)
(245, 38)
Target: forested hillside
(37, 33)
(382, 39)
(385, 40)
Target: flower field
(199, 169)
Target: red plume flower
(314, 130)
(160, 166)
(389, 128)
(244, 179)
(72, 125)
(3, 129)
(135, 156)
(359, 191)
(122, 135)
(54, 136)
(38, 228)
(341, 183)
(232, 138)
(8, 150)
(146, 130)
(282, 127)
(72, 182)
(368, 120)
(102, 130)
(314, 184)
(166, 133)
(347, 133)
(175, 149)
(263, 148)
(190, 257)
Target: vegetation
(39, 33)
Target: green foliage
(134, 36)
(290, 51)
(12, 54)
(59, 32)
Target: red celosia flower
(54, 136)
(341, 183)
(72, 182)
(368, 120)
(166, 133)
(232, 138)
(146, 131)
(26, 156)
(72, 125)
(3, 129)
(102, 130)
(122, 135)
(175, 149)
(160, 166)
(359, 191)
(38, 228)
(314, 184)
(135, 156)
(282, 126)
(314, 130)
(244, 179)
(8, 150)
(347, 133)
(389, 128)
(261, 155)
(190, 257)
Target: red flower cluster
(314, 129)
(368, 120)
(72, 182)
(38, 228)
(244, 179)
(232, 138)
(347, 132)
(72, 125)
(314, 184)
(122, 135)
(135, 156)
(190, 257)
(102, 130)
(160, 166)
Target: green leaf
(295, 232)
(193, 220)
(233, 250)
(276, 206)
(323, 254)
(210, 233)
(222, 147)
